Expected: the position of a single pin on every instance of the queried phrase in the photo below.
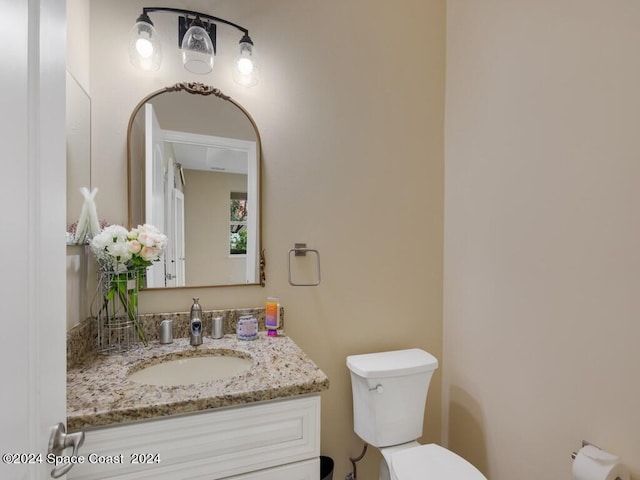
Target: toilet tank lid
(392, 364)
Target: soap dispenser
(195, 325)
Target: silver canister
(165, 331)
(217, 327)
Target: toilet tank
(389, 394)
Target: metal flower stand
(118, 325)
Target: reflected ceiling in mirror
(194, 161)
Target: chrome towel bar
(301, 250)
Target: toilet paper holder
(584, 444)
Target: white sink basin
(190, 370)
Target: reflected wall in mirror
(194, 159)
(78, 128)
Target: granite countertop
(99, 393)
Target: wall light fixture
(196, 39)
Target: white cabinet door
(210, 445)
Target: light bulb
(245, 65)
(245, 69)
(145, 48)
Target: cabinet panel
(307, 470)
(208, 445)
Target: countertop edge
(291, 374)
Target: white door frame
(155, 189)
(177, 212)
(33, 305)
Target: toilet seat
(431, 462)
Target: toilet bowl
(389, 396)
(430, 462)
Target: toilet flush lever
(378, 388)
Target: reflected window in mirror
(238, 223)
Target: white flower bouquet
(118, 249)
(123, 257)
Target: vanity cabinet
(277, 440)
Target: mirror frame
(196, 88)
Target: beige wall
(542, 236)
(204, 115)
(350, 109)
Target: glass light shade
(145, 48)
(245, 68)
(197, 50)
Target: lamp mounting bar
(191, 13)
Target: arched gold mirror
(194, 162)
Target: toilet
(389, 395)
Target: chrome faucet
(195, 326)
